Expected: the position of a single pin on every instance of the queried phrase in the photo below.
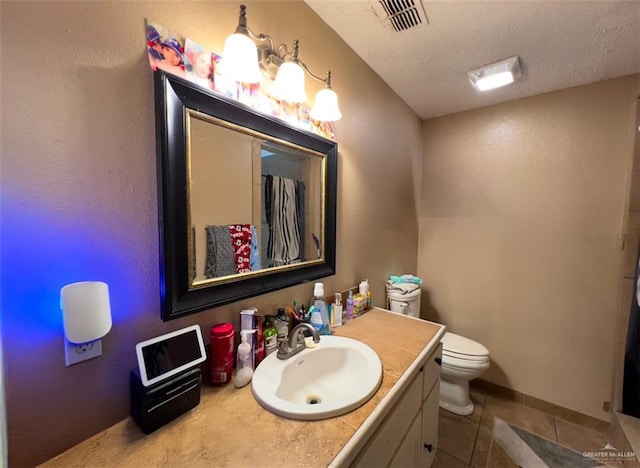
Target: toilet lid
(463, 348)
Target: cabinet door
(410, 451)
(384, 443)
(432, 371)
(430, 413)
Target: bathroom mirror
(247, 203)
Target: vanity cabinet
(408, 436)
(400, 428)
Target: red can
(221, 348)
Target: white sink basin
(335, 377)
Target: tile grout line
(453, 456)
(475, 442)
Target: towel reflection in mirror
(231, 249)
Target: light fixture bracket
(278, 64)
(269, 57)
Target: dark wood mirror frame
(173, 97)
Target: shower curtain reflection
(283, 220)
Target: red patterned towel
(241, 240)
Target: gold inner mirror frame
(229, 168)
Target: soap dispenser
(244, 371)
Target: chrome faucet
(296, 341)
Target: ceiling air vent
(404, 14)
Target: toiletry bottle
(320, 303)
(331, 313)
(349, 314)
(270, 335)
(316, 318)
(247, 322)
(244, 367)
(221, 348)
(363, 288)
(337, 311)
(282, 325)
(259, 350)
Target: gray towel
(220, 256)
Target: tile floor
(465, 441)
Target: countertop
(230, 428)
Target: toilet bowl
(462, 360)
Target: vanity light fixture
(244, 61)
(86, 313)
(496, 74)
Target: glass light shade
(494, 81)
(289, 83)
(86, 311)
(325, 107)
(240, 59)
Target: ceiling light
(243, 61)
(496, 74)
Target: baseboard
(567, 414)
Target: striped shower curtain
(284, 202)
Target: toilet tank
(404, 298)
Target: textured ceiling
(560, 44)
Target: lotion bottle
(337, 311)
(349, 314)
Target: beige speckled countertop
(229, 428)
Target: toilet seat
(465, 364)
(458, 348)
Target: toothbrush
(292, 311)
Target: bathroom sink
(337, 376)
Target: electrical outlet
(75, 353)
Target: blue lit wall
(78, 193)
(42, 251)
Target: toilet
(462, 359)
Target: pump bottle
(244, 371)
